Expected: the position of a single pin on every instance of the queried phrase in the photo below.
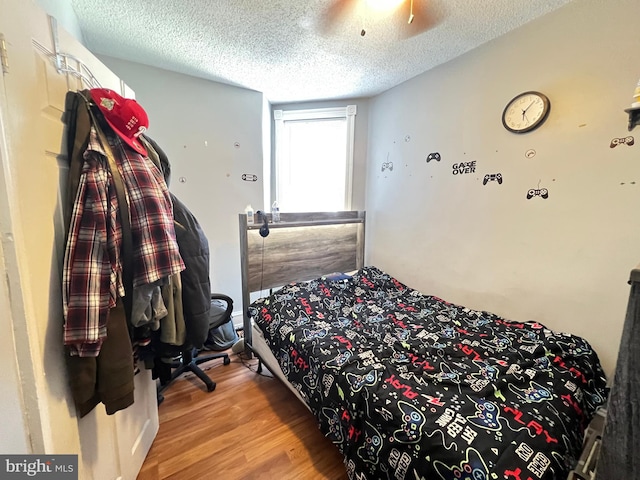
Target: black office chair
(190, 357)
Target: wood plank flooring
(250, 427)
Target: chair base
(189, 363)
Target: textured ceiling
(298, 50)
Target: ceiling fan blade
(340, 14)
(336, 13)
(426, 15)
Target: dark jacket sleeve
(107, 378)
(196, 285)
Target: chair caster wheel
(211, 388)
(226, 361)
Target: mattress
(261, 349)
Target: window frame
(348, 112)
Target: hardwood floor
(250, 427)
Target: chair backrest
(222, 333)
(221, 308)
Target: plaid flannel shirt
(92, 272)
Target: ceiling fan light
(383, 5)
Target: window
(314, 159)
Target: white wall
(64, 14)
(198, 124)
(563, 261)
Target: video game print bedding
(411, 387)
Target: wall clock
(526, 112)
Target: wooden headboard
(302, 246)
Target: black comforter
(411, 387)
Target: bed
(407, 385)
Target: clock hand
(525, 110)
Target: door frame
(11, 292)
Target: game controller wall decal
(492, 177)
(537, 192)
(249, 177)
(387, 166)
(434, 156)
(626, 140)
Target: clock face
(525, 112)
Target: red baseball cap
(125, 116)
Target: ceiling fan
(407, 17)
